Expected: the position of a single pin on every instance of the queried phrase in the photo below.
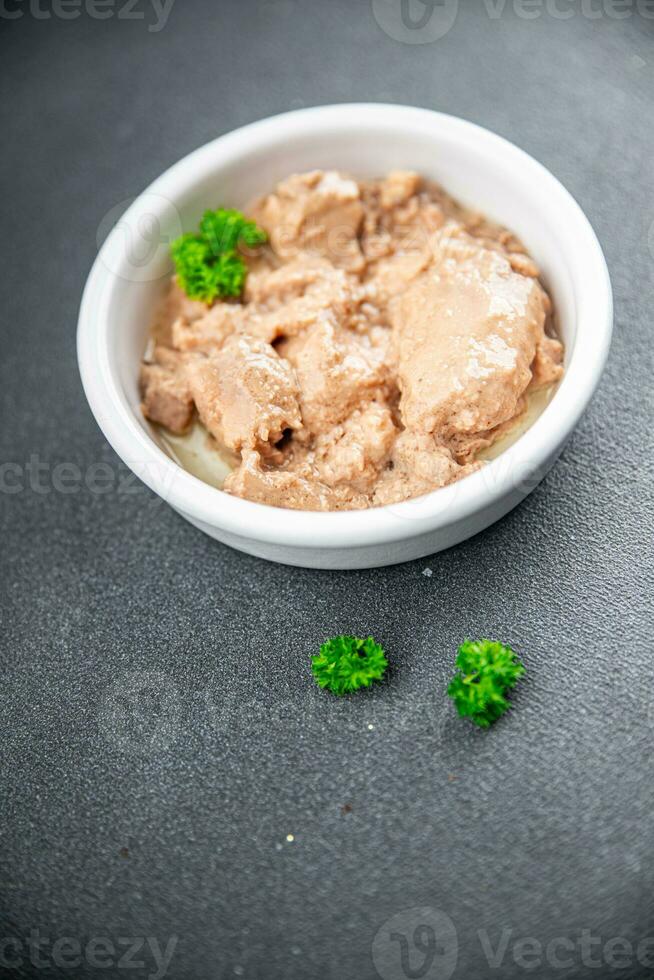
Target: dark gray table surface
(161, 732)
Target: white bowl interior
(486, 182)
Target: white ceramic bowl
(476, 167)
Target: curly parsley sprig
(208, 263)
(347, 663)
(486, 671)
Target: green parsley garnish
(346, 663)
(487, 670)
(208, 263)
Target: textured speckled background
(161, 734)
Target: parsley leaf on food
(208, 264)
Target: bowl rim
(520, 465)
